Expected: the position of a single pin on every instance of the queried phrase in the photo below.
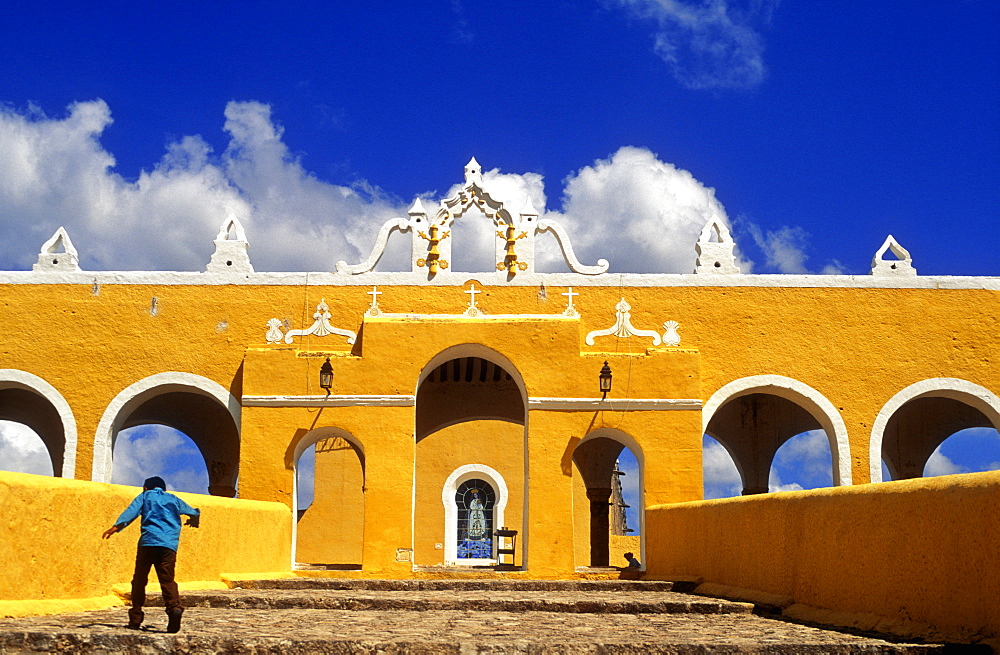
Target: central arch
(470, 421)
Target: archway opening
(330, 503)
(22, 450)
(721, 477)
(469, 416)
(752, 427)
(915, 433)
(607, 504)
(473, 238)
(967, 451)
(39, 420)
(802, 462)
(143, 451)
(208, 424)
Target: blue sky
(815, 129)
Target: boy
(161, 532)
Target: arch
(968, 393)
(801, 394)
(135, 395)
(457, 477)
(486, 399)
(474, 350)
(297, 449)
(597, 495)
(15, 379)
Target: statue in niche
(477, 518)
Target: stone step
(487, 600)
(439, 632)
(502, 585)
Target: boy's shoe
(174, 620)
(134, 626)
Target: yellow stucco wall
(856, 347)
(921, 551)
(52, 546)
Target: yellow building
(461, 403)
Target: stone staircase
(326, 615)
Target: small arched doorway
(606, 493)
(329, 500)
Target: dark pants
(163, 560)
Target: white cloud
(148, 450)
(807, 458)
(22, 450)
(785, 249)
(722, 478)
(54, 172)
(774, 483)
(640, 213)
(940, 464)
(708, 44)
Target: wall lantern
(326, 376)
(605, 378)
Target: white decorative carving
(373, 309)
(472, 310)
(231, 250)
(902, 266)
(58, 254)
(321, 327)
(274, 334)
(670, 336)
(401, 224)
(567, 250)
(623, 327)
(570, 309)
(716, 257)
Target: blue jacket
(161, 517)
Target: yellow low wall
(914, 556)
(52, 548)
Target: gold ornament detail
(510, 262)
(433, 260)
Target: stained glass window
(475, 499)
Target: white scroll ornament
(623, 327)
(321, 327)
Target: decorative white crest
(58, 254)
(671, 336)
(716, 257)
(321, 327)
(472, 310)
(623, 327)
(231, 250)
(373, 309)
(570, 309)
(567, 250)
(902, 266)
(401, 224)
(274, 334)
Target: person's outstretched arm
(130, 514)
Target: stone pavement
(422, 616)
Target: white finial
(417, 208)
(901, 266)
(529, 209)
(58, 254)
(473, 172)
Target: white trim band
(565, 404)
(333, 400)
(616, 404)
